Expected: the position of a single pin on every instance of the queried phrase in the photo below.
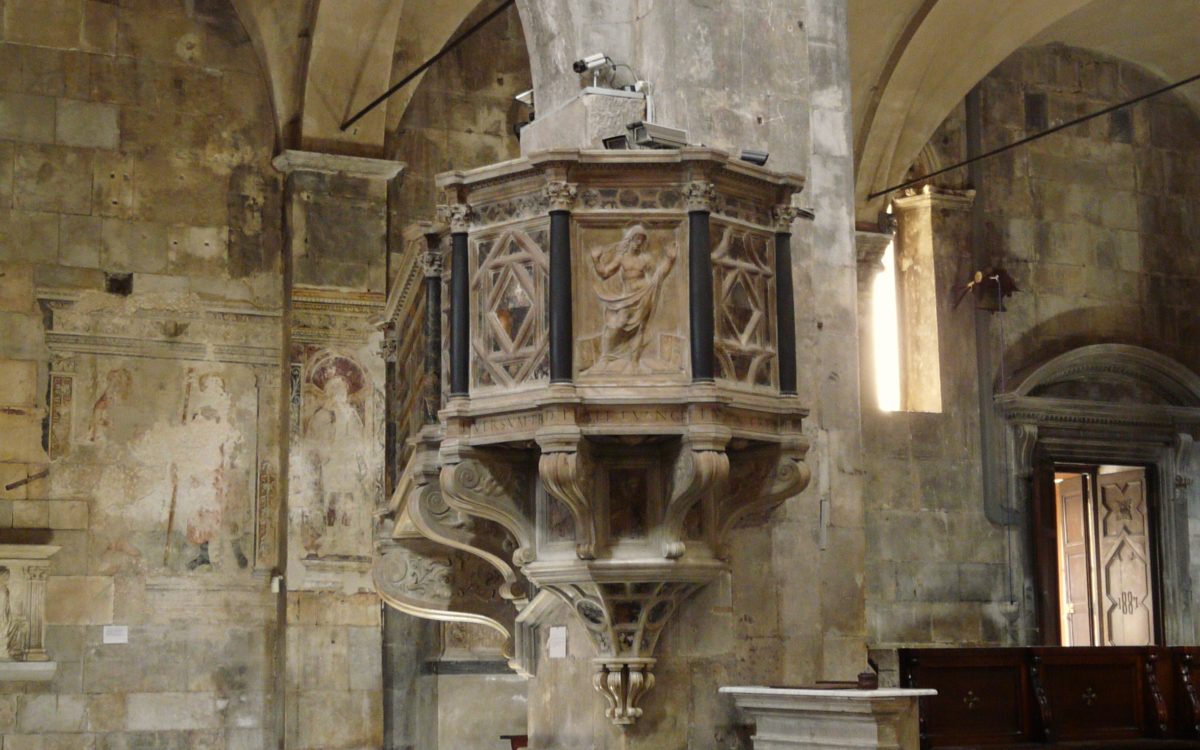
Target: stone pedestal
(791, 718)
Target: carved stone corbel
(435, 520)
(760, 481)
(568, 477)
(423, 579)
(694, 474)
(491, 490)
(623, 682)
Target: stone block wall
(140, 300)
(462, 112)
(1097, 225)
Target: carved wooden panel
(509, 301)
(1074, 549)
(744, 290)
(981, 694)
(1095, 694)
(1066, 696)
(1126, 589)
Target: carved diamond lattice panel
(744, 286)
(509, 327)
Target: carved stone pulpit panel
(23, 572)
(621, 394)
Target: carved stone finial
(700, 196)
(561, 195)
(431, 263)
(457, 215)
(784, 217)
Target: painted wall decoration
(175, 445)
(337, 467)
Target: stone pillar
(700, 196)
(562, 198)
(932, 257)
(35, 649)
(336, 221)
(792, 609)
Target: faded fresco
(337, 469)
(170, 446)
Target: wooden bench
(1116, 697)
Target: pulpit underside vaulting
(615, 391)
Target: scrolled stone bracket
(760, 481)
(490, 489)
(695, 473)
(623, 682)
(567, 476)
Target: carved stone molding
(353, 166)
(785, 216)
(699, 196)
(457, 215)
(24, 569)
(561, 195)
(431, 264)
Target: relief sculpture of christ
(640, 273)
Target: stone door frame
(1156, 423)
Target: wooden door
(1074, 551)
(1124, 556)
(1045, 553)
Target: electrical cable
(427, 64)
(1035, 136)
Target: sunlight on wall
(886, 333)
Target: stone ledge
(28, 671)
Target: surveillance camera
(591, 62)
(650, 135)
(525, 97)
(754, 157)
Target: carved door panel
(1073, 551)
(1124, 557)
